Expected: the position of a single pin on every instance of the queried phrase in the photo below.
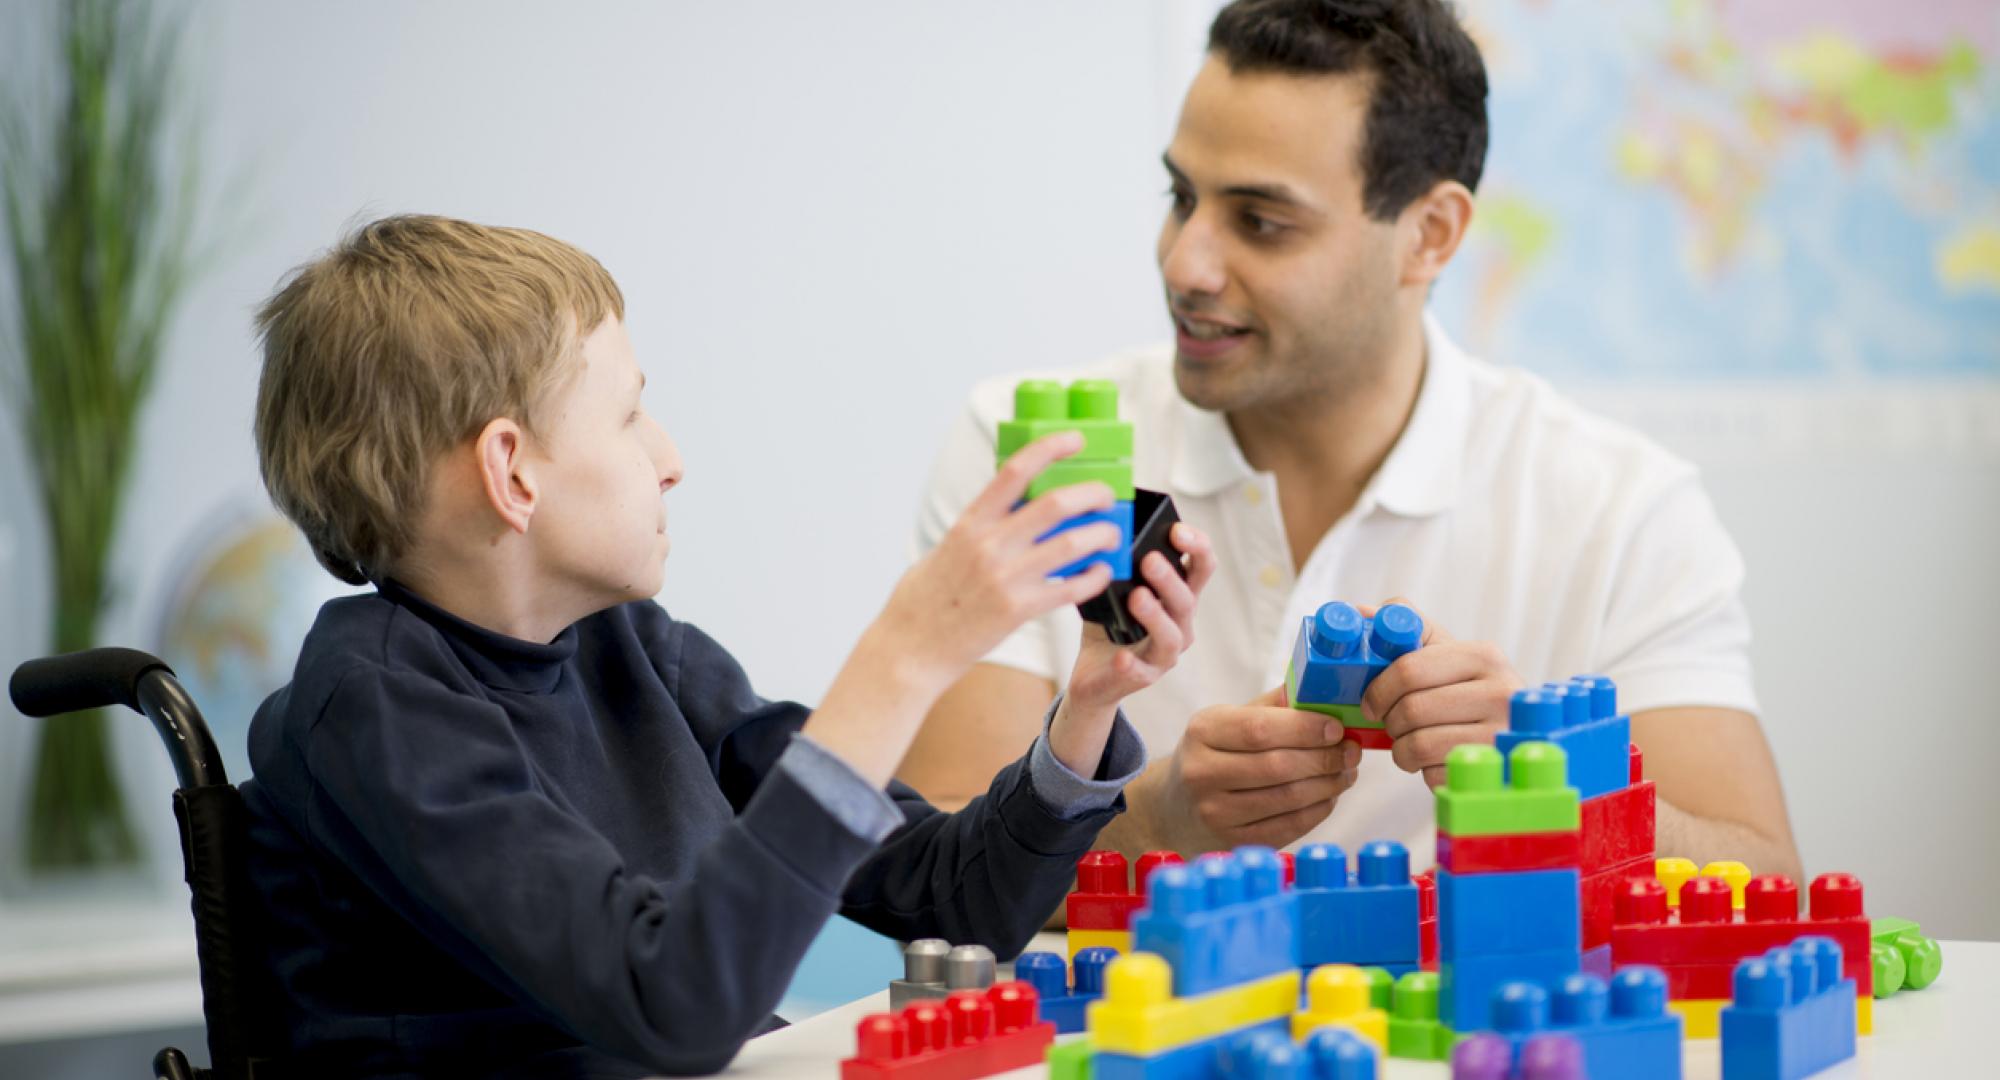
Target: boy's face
(1278, 281)
(600, 526)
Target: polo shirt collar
(1421, 475)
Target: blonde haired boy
(510, 817)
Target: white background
(829, 220)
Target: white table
(1945, 1030)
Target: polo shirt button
(1271, 576)
(1253, 494)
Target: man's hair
(405, 339)
(1426, 117)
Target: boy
(509, 817)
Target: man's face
(1279, 283)
(599, 525)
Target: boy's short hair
(405, 339)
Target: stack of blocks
(1367, 917)
(932, 968)
(1215, 972)
(1793, 1013)
(1623, 1028)
(970, 1033)
(1699, 942)
(1062, 1001)
(1099, 913)
(1338, 653)
(1507, 879)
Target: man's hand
(1445, 694)
(1261, 773)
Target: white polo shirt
(1504, 512)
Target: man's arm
(1719, 795)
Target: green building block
(1348, 715)
(1069, 471)
(1070, 1060)
(1044, 407)
(1902, 957)
(1381, 987)
(1414, 1030)
(1474, 801)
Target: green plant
(100, 208)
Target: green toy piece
(1475, 802)
(1902, 957)
(1414, 1030)
(1070, 1060)
(1069, 471)
(1044, 407)
(1348, 715)
(1381, 987)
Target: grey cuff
(1070, 796)
(864, 809)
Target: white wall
(829, 220)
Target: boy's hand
(990, 573)
(1106, 673)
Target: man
(1335, 444)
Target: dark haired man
(1337, 445)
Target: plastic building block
(1467, 986)
(1117, 475)
(1487, 1056)
(1427, 920)
(1600, 897)
(923, 973)
(1638, 758)
(1106, 897)
(1499, 854)
(1482, 1056)
(1674, 873)
(1902, 957)
(1618, 827)
(1153, 521)
(1414, 1030)
(1624, 1028)
(1118, 941)
(1597, 961)
(1088, 406)
(1063, 1003)
(1338, 995)
(1224, 920)
(970, 1033)
(1533, 911)
(1381, 986)
(1338, 653)
(1204, 1060)
(1572, 715)
(1792, 1013)
(1327, 1054)
(1119, 559)
(1705, 929)
(1071, 1060)
(1736, 874)
(1140, 1015)
(1475, 802)
(1701, 1018)
(1368, 916)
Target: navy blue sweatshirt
(485, 856)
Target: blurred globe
(248, 591)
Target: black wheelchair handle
(77, 681)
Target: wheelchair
(237, 1002)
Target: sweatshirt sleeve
(445, 821)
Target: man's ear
(505, 473)
(1432, 227)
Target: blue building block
(1467, 986)
(1118, 559)
(1581, 717)
(1367, 917)
(1061, 1002)
(1224, 920)
(1339, 653)
(1792, 1013)
(1624, 1030)
(1527, 911)
(1597, 961)
(1204, 1060)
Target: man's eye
(1182, 201)
(1259, 225)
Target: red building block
(1700, 982)
(1705, 930)
(969, 1034)
(1638, 761)
(1427, 920)
(1617, 827)
(1599, 901)
(1370, 738)
(1517, 851)
(1105, 896)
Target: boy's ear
(501, 452)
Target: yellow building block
(1702, 1019)
(1139, 1015)
(1736, 874)
(1080, 940)
(1337, 996)
(1673, 873)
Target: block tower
(1338, 653)
(1508, 885)
(1099, 913)
(1144, 518)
